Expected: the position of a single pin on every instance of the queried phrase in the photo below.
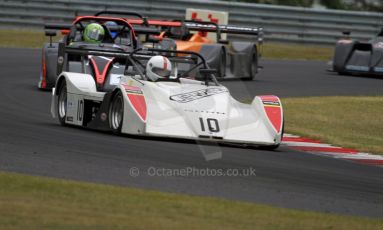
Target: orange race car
(231, 59)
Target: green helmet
(94, 33)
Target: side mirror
(50, 33)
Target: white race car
(174, 95)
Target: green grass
(35, 39)
(354, 122)
(28, 202)
(22, 38)
(297, 52)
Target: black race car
(355, 57)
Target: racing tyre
(253, 66)
(62, 103)
(342, 73)
(116, 113)
(222, 64)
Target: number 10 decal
(212, 125)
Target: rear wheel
(116, 113)
(222, 64)
(62, 103)
(253, 66)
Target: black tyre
(343, 73)
(116, 113)
(253, 66)
(222, 64)
(62, 102)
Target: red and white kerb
(316, 147)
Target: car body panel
(187, 110)
(355, 57)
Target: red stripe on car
(137, 99)
(273, 112)
(44, 73)
(100, 77)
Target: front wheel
(116, 113)
(62, 103)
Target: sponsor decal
(60, 59)
(69, 119)
(195, 95)
(132, 89)
(272, 103)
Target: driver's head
(158, 67)
(93, 33)
(112, 26)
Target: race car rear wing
(204, 27)
(219, 29)
(228, 29)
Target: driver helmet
(158, 67)
(94, 33)
(111, 25)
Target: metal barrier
(280, 23)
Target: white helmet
(158, 67)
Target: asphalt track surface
(32, 142)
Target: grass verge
(35, 39)
(22, 38)
(297, 52)
(354, 122)
(28, 202)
